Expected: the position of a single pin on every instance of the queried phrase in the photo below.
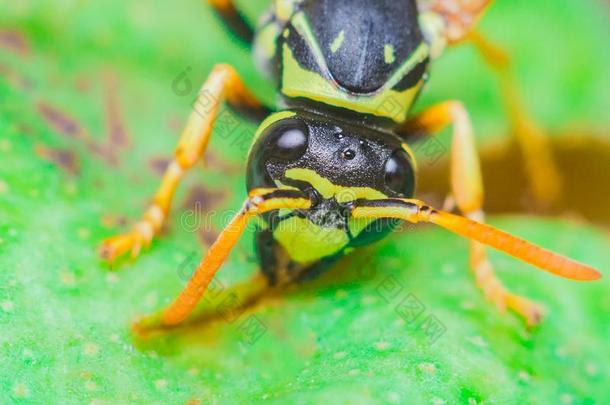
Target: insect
(330, 170)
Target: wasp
(329, 170)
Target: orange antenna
(416, 211)
(528, 252)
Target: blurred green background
(88, 118)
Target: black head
(308, 151)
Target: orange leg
(451, 22)
(416, 211)
(540, 165)
(258, 202)
(223, 84)
(467, 190)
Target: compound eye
(287, 140)
(399, 174)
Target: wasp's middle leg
(467, 189)
(452, 22)
(540, 165)
(222, 85)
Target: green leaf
(94, 74)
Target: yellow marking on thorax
(299, 82)
(388, 54)
(387, 103)
(334, 47)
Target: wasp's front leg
(222, 85)
(467, 190)
(417, 211)
(259, 201)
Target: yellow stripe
(385, 212)
(329, 190)
(419, 54)
(409, 151)
(306, 242)
(301, 23)
(334, 47)
(270, 120)
(388, 103)
(388, 54)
